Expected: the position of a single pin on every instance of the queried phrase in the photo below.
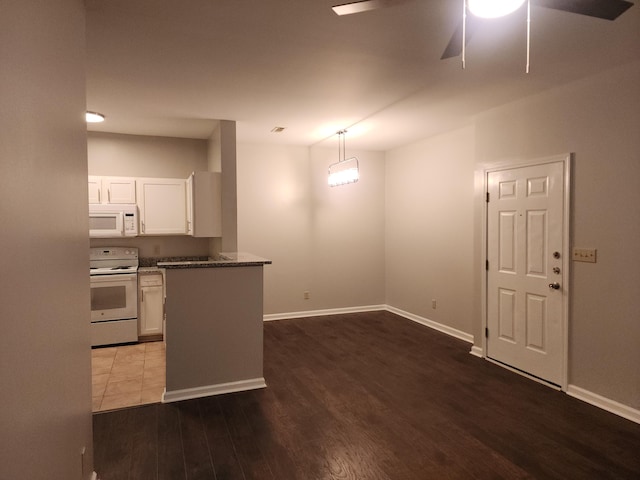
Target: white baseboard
(604, 403)
(320, 313)
(431, 324)
(373, 308)
(209, 390)
(476, 351)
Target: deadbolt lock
(556, 254)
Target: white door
(525, 296)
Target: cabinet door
(94, 189)
(151, 311)
(163, 206)
(119, 189)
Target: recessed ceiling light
(94, 117)
(277, 129)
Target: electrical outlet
(584, 255)
(307, 295)
(434, 304)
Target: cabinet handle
(142, 226)
(99, 196)
(142, 295)
(108, 195)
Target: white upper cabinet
(163, 206)
(119, 189)
(94, 189)
(114, 190)
(167, 206)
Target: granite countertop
(148, 269)
(234, 259)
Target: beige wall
(327, 241)
(429, 228)
(599, 120)
(434, 210)
(143, 156)
(45, 361)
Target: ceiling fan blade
(605, 9)
(454, 47)
(364, 5)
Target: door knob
(554, 286)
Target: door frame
(566, 160)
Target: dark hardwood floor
(370, 396)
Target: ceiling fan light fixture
(493, 8)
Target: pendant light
(345, 170)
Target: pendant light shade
(493, 8)
(345, 170)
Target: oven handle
(118, 277)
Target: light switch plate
(584, 255)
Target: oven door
(114, 297)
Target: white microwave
(107, 221)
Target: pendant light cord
(341, 146)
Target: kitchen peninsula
(214, 330)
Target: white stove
(114, 295)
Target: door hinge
(486, 332)
(487, 197)
(486, 265)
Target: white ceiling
(172, 67)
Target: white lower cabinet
(151, 304)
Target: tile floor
(127, 375)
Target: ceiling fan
(605, 9)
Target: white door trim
(566, 160)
